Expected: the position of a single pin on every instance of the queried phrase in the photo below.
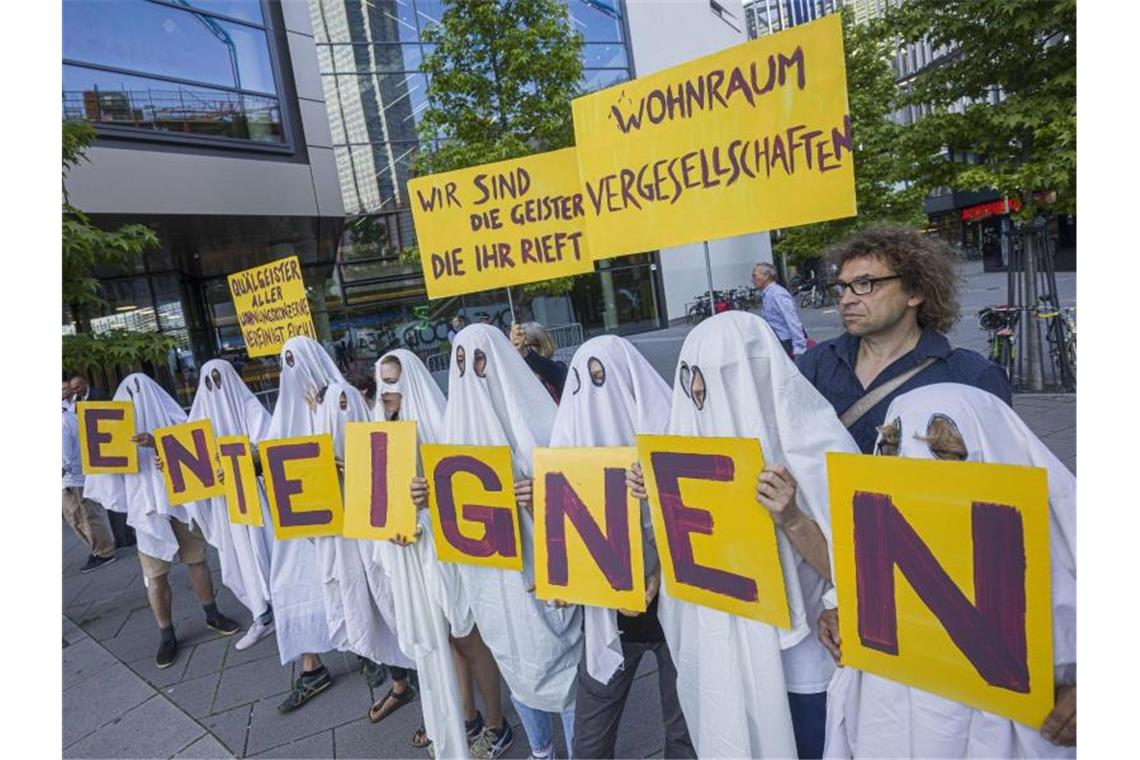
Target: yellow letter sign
(302, 486)
(717, 545)
(242, 499)
(105, 432)
(379, 464)
(189, 461)
(587, 528)
(942, 574)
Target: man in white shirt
(85, 516)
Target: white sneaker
(256, 633)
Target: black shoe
(167, 651)
(223, 625)
(94, 563)
(305, 688)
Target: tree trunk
(1032, 344)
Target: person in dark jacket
(537, 348)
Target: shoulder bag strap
(868, 400)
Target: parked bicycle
(701, 310)
(1061, 334)
(1001, 323)
(816, 294)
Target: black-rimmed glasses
(861, 287)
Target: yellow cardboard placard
(500, 224)
(585, 520)
(271, 305)
(472, 499)
(942, 574)
(302, 486)
(105, 432)
(379, 464)
(751, 138)
(189, 461)
(240, 479)
(717, 544)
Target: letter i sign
(942, 574)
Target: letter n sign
(587, 528)
(942, 574)
(717, 545)
(189, 461)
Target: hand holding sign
(1061, 726)
(524, 495)
(635, 481)
(829, 633)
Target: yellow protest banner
(379, 464)
(587, 528)
(751, 138)
(105, 432)
(189, 461)
(240, 478)
(717, 544)
(942, 574)
(302, 486)
(472, 499)
(500, 224)
(271, 306)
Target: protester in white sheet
(295, 581)
(611, 395)
(495, 400)
(735, 379)
(358, 595)
(244, 550)
(163, 530)
(406, 391)
(871, 716)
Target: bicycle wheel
(695, 315)
(1066, 351)
(1003, 356)
(806, 300)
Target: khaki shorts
(191, 550)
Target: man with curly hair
(898, 296)
(897, 292)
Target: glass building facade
(370, 56)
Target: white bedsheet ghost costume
(632, 399)
(494, 399)
(142, 495)
(732, 672)
(358, 594)
(295, 572)
(244, 550)
(424, 601)
(870, 716)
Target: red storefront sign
(993, 208)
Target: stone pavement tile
(95, 701)
(206, 658)
(71, 632)
(319, 745)
(641, 730)
(392, 737)
(253, 681)
(206, 748)
(194, 695)
(73, 588)
(113, 579)
(160, 677)
(230, 727)
(155, 728)
(267, 647)
(344, 702)
(103, 621)
(132, 646)
(84, 659)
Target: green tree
(501, 79)
(1025, 54)
(87, 247)
(884, 191)
(1027, 141)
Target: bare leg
(486, 674)
(310, 662)
(158, 594)
(201, 582)
(463, 675)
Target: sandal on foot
(378, 712)
(420, 738)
